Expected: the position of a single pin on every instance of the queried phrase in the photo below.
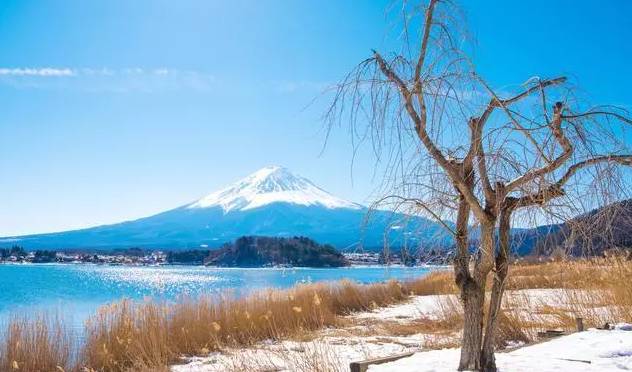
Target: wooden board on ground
(363, 366)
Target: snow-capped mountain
(269, 202)
(271, 185)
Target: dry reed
(128, 335)
(39, 343)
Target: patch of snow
(427, 307)
(331, 353)
(270, 185)
(592, 350)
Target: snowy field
(333, 349)
(592, 350)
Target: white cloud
(108, 79)
(47, 71)
(87, 71)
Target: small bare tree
(457, 151)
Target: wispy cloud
(141, 79)
(87, 71)
(106, 79)
(46, 71)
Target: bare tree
(457, 151)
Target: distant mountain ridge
(270, 202)
(593, 233)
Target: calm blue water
(76, 291)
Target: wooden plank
(363, 366)
(579, 322)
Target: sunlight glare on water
(77, 291)
(159, 280)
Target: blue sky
(117, 109)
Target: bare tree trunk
(473, 296)
(488, 361)
(470, 293)
(473, 302)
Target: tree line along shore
(247, 251)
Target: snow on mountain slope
(270, 185)
(270, 202)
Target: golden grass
(436, 282)
(148, 336)
(127, 335)
(41, 343)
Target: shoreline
(398, 266)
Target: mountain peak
(272, 184)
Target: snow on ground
(593, 350)
(330, 353)
(334, 349)
(418, 307)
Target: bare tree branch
(558, 133)
(424, 40)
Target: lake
(76, 291)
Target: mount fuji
(270, 202)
